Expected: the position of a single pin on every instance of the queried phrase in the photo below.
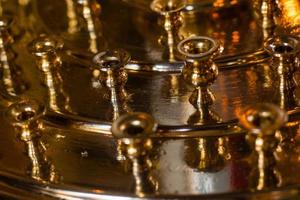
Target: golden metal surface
(113, 77)
(200, 71)
(263, 120)
(90, 62)
(134, 132)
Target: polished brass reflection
(173, 80)
(207, 154)
(200, 71)
(172, 20)
(262, 122)
(287, 142)
(46, 51)
(290, 11)
(134, 131)
(12, 83)
(224, 3)
(265, 175)
(204, 116)
(72, 18)
(285, 62)
(25, 116)
(88, 11)
(82, 146)
(113, 78)
(267, 11)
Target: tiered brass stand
(154, 99)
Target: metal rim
(213, 49)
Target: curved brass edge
(6, 100)
(10, 192)
(69, 192)
(227, 62)
(90, 126)
(72, 122)
(197, 6)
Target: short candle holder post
(200, 71)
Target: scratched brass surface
(82, 162)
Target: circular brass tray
(160, 94)
(77, 156)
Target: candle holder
(134, 132)
(87, 14)
(113, 77)
(11, 74)
(25, 117)
(200, 71)
(262, 121)
(172, 20)
(46, 50)
(267, 11)
(284, 62)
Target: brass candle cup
(134, 133)
(284, 52)
(262, 121)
